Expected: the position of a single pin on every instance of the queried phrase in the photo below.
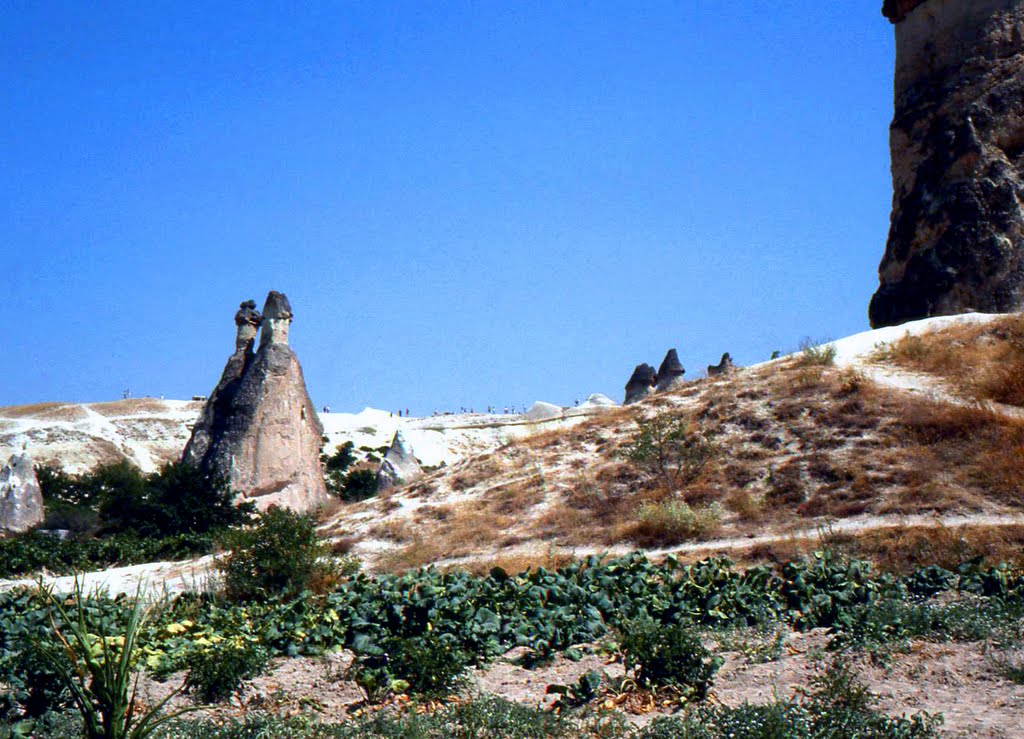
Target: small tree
(336, 466)
(179, 499)
(359, 485)
(280, 555)
(672, 447)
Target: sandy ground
(958, 680)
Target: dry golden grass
(396, 530)
(794, 456)
(474, 471)
(982, 361)
(744, 504)
(417, 553)
(670, 522)
(514, 564)
(44, 411)
(129, 407)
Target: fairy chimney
(259, 428)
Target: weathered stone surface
(400, 465)
(21, 500)
(724, 365)
(641, 383)
(259, 428)
(956, 238)
(218, 410)
(598, 400)
(670, 373)
(541, 411)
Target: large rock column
(21, 500)
(956, 238)
(259, 428)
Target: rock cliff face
(21, 500)
(259, 428)
(956, 238)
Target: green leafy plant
(430, 665)
(672, 655)
(214, 674)
(672, 447)
(280, 556)
(579, 693)
(359, 485)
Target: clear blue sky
(466, 202)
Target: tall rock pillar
(259, 428)
(956, 237)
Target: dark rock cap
(277, 306)
(671, 371)
(670, 365)
(247, 314)
(643, 379)
(644, 374)
(896, 10)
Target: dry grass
(745, 505)
(671, 522)
(795, 455)
(417, 553)
(129, 407)
(982, 361)
(396, 530)
(474, 471)
(514, 564)
(44, 411)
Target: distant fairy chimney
(641, 383)
(670, 373)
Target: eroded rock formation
(641, 383)
(670, 373)
(724, 366)
(259, 428)
(956, 238)
(400, 465)
(21, 500)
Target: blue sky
(467, 203)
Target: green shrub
(32, 551)
(359, 485)
(668, 656)
(336, 466)
(215, 674)
(280, 556)
(430, 665)
(671, 447)
(177, 499)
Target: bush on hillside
(280, 556)
(671, 447)
(359, 485)
(179, 499)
